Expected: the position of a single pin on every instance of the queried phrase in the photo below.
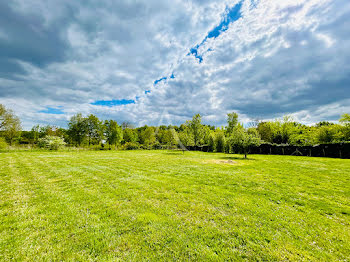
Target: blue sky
(141, 61)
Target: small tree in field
(242, 141)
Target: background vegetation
(91, 132)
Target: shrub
(130, 146)
(3, 144)
(51, 142)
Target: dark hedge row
(341, 150)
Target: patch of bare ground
(221, 161)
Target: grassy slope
(164, 205)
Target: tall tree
(345, 120)
(94, 129)
(77, 129)
(196, 128)
(13, 129)
(9, 123)
(232, 121)
(148, 136)
(113, 132)
(130, 135)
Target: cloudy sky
(160, 62)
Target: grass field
(159, 205)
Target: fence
(341, 150)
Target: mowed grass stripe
(157, 205)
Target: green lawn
(163, 205)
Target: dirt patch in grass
(221, 161)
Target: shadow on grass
(173, 153)
(237, 158)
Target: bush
(130, 146)
(3, 144)
(51, 142)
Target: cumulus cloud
(277, 57)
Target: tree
(126, 125)
(211, 142)
(35, 134)
(3, 144)
(113, 132)
(94, 129)
(220, 141)
(345, 121)
(13, 129)
(232, 121)
(5, 117)
(266, 132)
(241, 141)
(196, 128)
(206, 133)
(77, 129)
(148, 136)
(185, 136)
(130, 135)
(9, 123)
(329, 134)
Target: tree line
(90, 131)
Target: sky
(160, 62)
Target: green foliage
(3, 144)
(196, 129)
(51, 142)
(186, 137)
(232, 121)
(241, 140)
(130, 135)
(113, 132)
(130, 146)
(345, 119)
(148, 136)
(267, 131)
(166, 136)
(305, 136)
(329, 134)
(77, 129)
(35, 134)
(220, 141)
(10, 124)
(211, 142)
(94, 129)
